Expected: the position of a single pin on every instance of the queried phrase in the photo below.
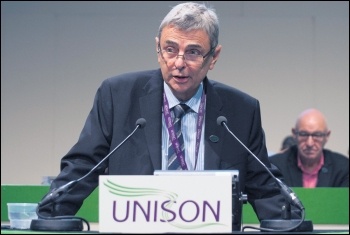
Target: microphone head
(141, 122)
(221, 120)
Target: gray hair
(191, 16)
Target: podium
(186, 202)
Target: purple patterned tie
(179, 111)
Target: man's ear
(157, 43)
(215, 56)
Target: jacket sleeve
(93, 145)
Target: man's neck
(309, 165)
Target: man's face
(183, 74)
(311, 135)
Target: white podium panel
(162, 204)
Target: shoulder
(133, 77)
(129, 84)
(284, 156)
(278, 157)
(229, 94)
(221, 87)
(335, 156)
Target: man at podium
(180, 105)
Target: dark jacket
(334, 173)
(121, 100)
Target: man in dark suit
(187, 47)
(308, 164)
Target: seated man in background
(308, 164)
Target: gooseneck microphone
(276, 225)
(71, 223)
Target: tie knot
(180, 110)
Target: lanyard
(174, 140)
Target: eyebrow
(172, 43)
(315, 132)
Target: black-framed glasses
(191, 56)
(316, 136)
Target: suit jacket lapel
(324, 175)
(214, 134)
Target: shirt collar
(193, 103)
(316, 169)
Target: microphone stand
(70, 223)
(58, 223)
(286, 224)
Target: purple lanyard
(172, 134)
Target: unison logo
(162, 206)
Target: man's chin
(310, 156)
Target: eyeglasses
(191, 56)
(316, 136)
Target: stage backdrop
(54, 55)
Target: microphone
(68, 223)
(281, 225)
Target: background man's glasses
(316, 136)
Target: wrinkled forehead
(177, 37)
(311, 124)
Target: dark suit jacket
(121, 100)
(334, 173)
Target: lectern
(166, 202)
